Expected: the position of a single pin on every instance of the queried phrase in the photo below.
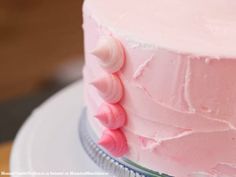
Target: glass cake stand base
(120, 167)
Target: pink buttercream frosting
(109, 87)
(110, 53)
(112, 116)
(178, 81)
(114, 141)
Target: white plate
(49, 140)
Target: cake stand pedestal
(48, 142)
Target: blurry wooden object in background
(5, 150)
(36, 36)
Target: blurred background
(41, 51)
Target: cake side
(180, 107)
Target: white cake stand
(48, 142)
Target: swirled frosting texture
(111, 116)
(110, 53)
(114, 141)
(109, 87)
(179, 82)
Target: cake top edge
(202, 28)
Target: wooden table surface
(37, 37)
(5, 150)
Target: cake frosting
(114, 141)
(112, 116)
(109, 87)
(170, 69)
(110, 53)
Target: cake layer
(167, 148)
(179, 99)
(202, 27)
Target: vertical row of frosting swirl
(111, 114)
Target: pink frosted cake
(160, 83)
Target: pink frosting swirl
(112, 116)
(114, 141)
(110, 88)
(111, 54)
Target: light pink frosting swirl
(111, 54)
(112, 116)
(109, 87)
(115, 142)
